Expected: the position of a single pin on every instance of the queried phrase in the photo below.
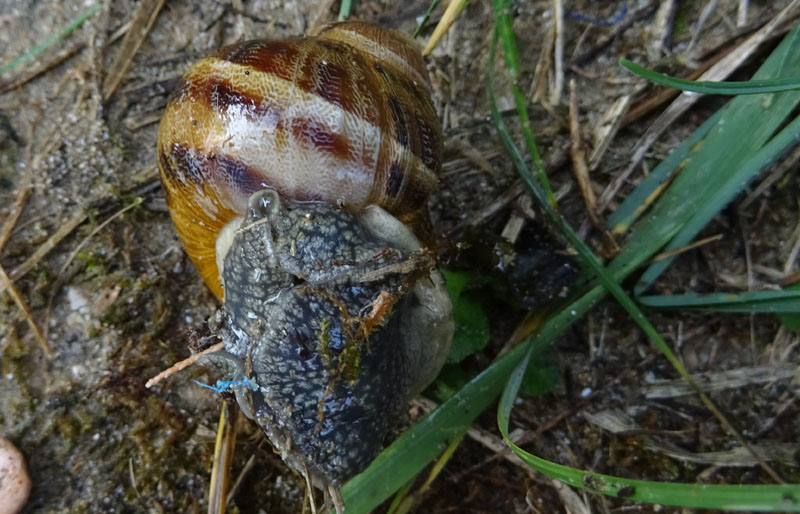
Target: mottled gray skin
(324, 395)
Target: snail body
(295, 172)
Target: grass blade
(731, 185)
(749, 87)
(732, 497)
(417, 447)
(345, 10)
(412, 451)
(425, 18)
(646, 192)
(786, 301)
(745, 125)
(604, 276)
(537, 193)
(33, 52)
(505, 32)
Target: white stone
(14, 482)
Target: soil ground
(117, 300)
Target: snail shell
(295, 171)
(343, 117)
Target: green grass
(715, 165)
(33, 52)
(345, 10)
(748, 301)
(749, 87)
(424, 22)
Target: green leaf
(749, 87)
(542, 373)
(472, 328)
(456, 281)
(472, 323)
(450, 380)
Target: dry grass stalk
(19, 203)
(63, 231)
(685, 248)
(7, 285)
(581, 170)
(578, 155)
(26, 76)
(558, 54)
(141, 22)
(321, 15)
(606, 129)
(449, 17)
(223, 458)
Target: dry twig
(63, 231)
(579, 158)
(618, 424)
(741, 13)
(141, 22)
(661, 29)
(185, 363)
(7, 285)
(685, 248)
(19, 203)
(26, 76)
(605, 130)
(239, 479)
(713, 382)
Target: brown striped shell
(343, 116)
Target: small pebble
(14, 482)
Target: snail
(297, 173)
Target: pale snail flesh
(301, 206)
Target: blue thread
(598, 22)
(222, 385)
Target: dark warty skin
(301, 280)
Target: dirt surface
(117, 300)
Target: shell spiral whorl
(343, 117)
